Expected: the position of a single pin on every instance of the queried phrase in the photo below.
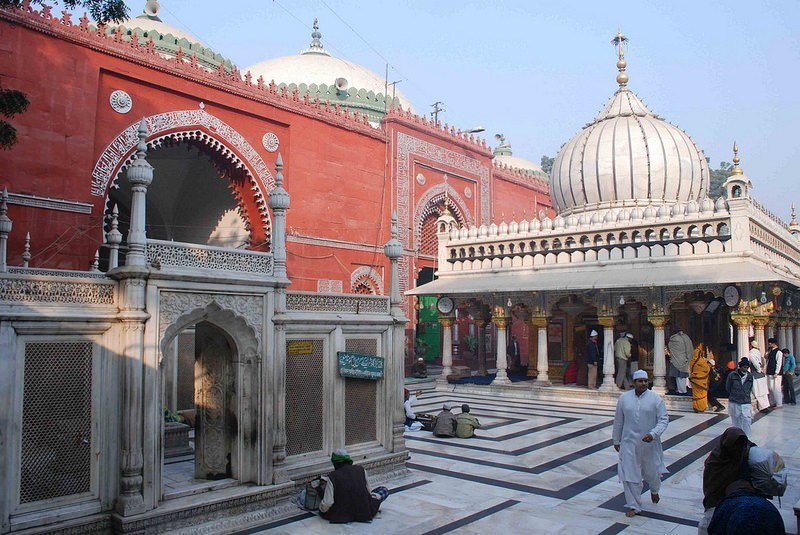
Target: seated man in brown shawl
(726, 463)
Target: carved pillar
(659, 358)
(742, 322)
(279, 202)
(796, 348)
(789, 335)
(542, 363)
(5, 229)
(783, 325)
(113, 239)
(132, 316)
(447, 349)
(480, 332)
(501, 324)
(279, 473)
(608, 353)
(394, 250)
(759, 323)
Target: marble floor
(545, 467)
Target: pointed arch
(201, 128)
(428, 209)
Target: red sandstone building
(352, 157)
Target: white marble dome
(627, 153)
(315, 65)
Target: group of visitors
(447, 424)
(738, 477)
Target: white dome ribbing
(627, 154)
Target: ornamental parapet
(336, 303)
(604, 235)
(56, 287)
(168, 255)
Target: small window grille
(56, 458)
(304, 394)
(360, 398)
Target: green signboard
(360, 366)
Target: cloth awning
(635, 274)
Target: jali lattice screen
(359, 402)
(304, 395)
(56, 420)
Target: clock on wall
(731, 295)
(445, 305)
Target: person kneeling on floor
(466, 424)
(347, 496)
(445, 423)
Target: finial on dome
(736, 169)
(316, 36)
(620, 41)
(316, 42)
(794, 217)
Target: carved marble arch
(229, 153)
(365, 280)
(236, 327)
(428, 210)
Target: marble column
(393, 251)
(5, 230)
(742, 322)
(501, 324)
(608, 353)
(542, 363)
(447, 350)
(480, 334)
(759, 323)
(782, 336)
(796, 348)
(659, 358)
(789, 336)
(133, 316)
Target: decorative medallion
(120, 101)
(270, 142)
(421, 179)
(468, 192)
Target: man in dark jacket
(739, 385)
(445, 425)
(347, 496)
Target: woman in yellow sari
(699, 373)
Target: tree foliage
(547, 164)
(13, 101)
(99, 10)
(718, 178)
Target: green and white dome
(316, 72)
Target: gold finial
(446, 198)
(793, 222)
(620, 42)
(736, 169)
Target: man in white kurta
(640, 420)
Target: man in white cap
(445, 425)
(592, 357)
(640, 420)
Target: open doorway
(200, 412)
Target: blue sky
(538, 71)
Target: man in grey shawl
(681, 351)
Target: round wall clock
(731, 295)
(445, 305)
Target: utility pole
(437, 107)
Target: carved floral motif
(297, 302)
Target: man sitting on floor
(445, 425)
(466, 424)
(347, 496)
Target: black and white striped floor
(548, 467)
